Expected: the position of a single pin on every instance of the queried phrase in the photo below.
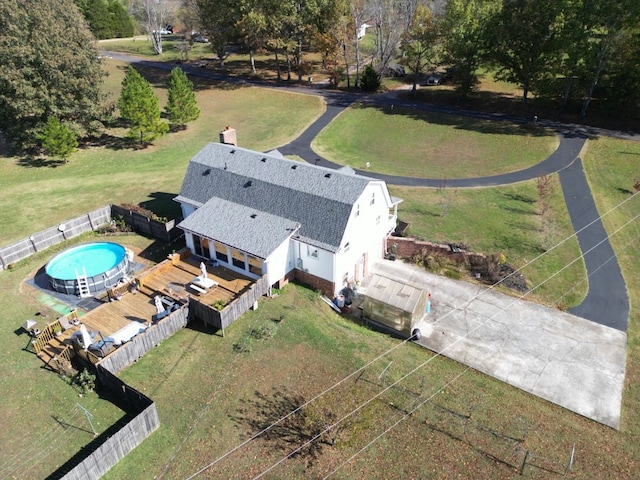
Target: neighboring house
(261, 214)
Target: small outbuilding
(395, 304)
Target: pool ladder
(83, 284)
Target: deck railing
(51, 331)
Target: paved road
(607, 301)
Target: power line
(443, 387)
(357, 409)
(229, 452)
(395, 424)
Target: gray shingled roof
(247, 229)
(317, 198)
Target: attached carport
(567, 360)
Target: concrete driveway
(567, 360)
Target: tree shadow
(112, 142)
(162, 204)
(480, 122)
(283, 422)
(519, 197)
(38, 162)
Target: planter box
(166, 231)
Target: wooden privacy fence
(53, 235)
(221, 319)
(145, 420)
(140, 223)
(85, 223)
(145, 341)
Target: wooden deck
(170, 278)
(175, 281)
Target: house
(261, 214)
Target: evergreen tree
(57, 139)
(370, 81)
(139, 107)
(181, 106)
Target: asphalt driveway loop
(567, 360)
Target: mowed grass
(503, 220)
(430, 145)
(36, 193)
(612, 168)
(42, 427)
(211, 399)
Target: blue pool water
(104, 264)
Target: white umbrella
(29, 324)
(85, 337)
(203, 271)
(159, 305)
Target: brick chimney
(228, 136)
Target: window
(237, 258)
(357, 214)
(221, 252)
(255, 265)
(312, 252)
(378, 220)
(373, 198)
(346, 247)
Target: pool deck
(171, 278)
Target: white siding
(187, 209)
(314, 260)
(368, 226)
(277, 263)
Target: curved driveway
(606, 302)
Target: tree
(370, 81)
(525, 38)
(57, 139)
(218, 20)
(463, 31)
(154, 16)
(181, 106)
(50, 67)
(106, 18)
(139, 107)
(390, 19)
(420, 43)
(252, 27)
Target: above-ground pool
(104, 264)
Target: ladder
(83, 284)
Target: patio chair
(64, 323)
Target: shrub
(369, 81)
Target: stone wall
(407, 247)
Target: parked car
(435, 79)
(200, 39)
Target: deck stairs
(83, 284)
(57, 354)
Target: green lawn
(35, 194)
(502, 220)
(430, 145)
(612, 168)
(198, 379)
